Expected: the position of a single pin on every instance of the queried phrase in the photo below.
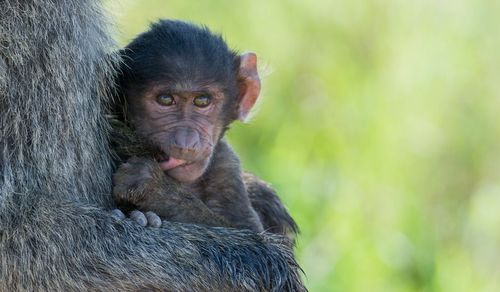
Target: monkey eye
(202, 100)
(166, 99)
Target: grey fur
(55, 176)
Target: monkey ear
(249, 83)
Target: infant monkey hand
(144, 219)
(134, 183)
(135, 180)
(141, 184)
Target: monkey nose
(187, 138)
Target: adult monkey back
(55, 176)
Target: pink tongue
(171, 163)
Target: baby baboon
(181, 88)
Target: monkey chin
(183, 171)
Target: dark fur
(55, 177)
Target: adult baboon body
(55, 176)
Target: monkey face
(183, 86)
(185, 122)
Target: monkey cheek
(188, 172)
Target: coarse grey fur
(55, 176)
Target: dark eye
(202, 100)
(166, 99)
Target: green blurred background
(379, 127)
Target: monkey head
(182, 88)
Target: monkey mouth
(168, 163)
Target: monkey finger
(138, 217)
(153, 219)
(117, 214)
